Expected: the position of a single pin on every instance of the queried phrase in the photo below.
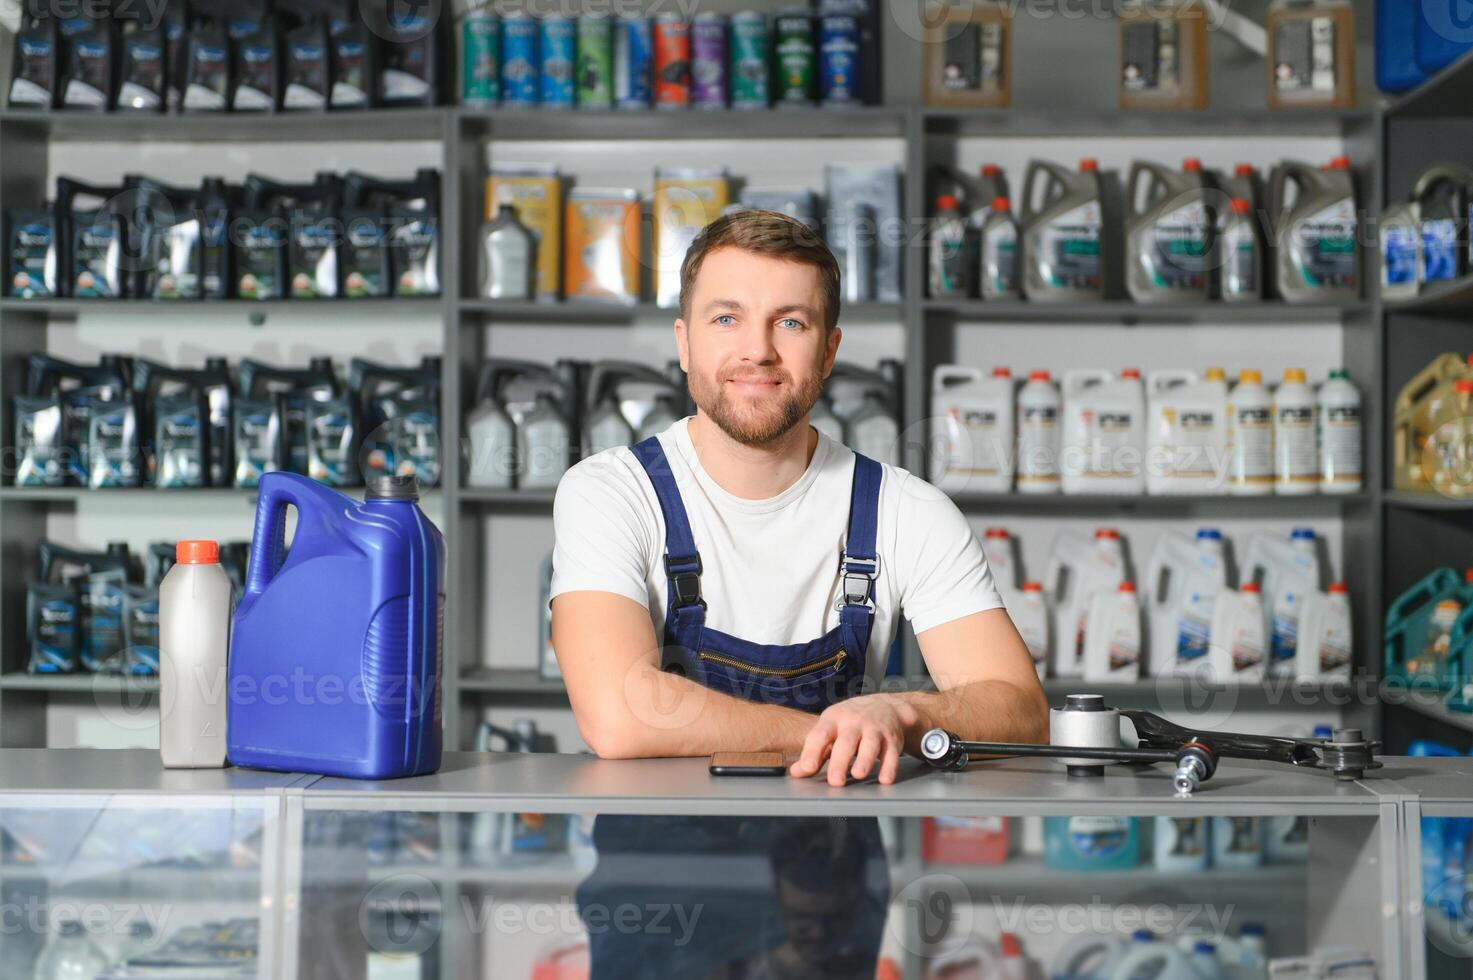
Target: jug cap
(1089, 165)
(1340, 163)
(1010, 944)
(1339, 588)
(991, 170)
(1468, 575)
(1039, 376)
(946, 202)
(1294, 375)
(996, 532)
(1214, 374)
(1002, 372)
(1127, 586)
(1241, 205)
(1243, 170)
(1463, 386)
(1251, 376)
(1130, 374)
(387, 487)
(1191, 165)
(193, 552)
(1002, 204)
(1038, 586)
(1252, 588)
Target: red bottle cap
(1243, 170)
(1089, 165)
(1132, 374)
(1039, 376)
(1108, 533)
(1339, 588)
(1010, 944)
(197, 553)
(996, 532)
(1252, 588)
(1038, 586)
(1241, 205)
(1002, 204)
(1463, 386)
(1191, 165)
(991, 170)
(1340, 163)
(1002, 372)
(1127, 586)
(946, 202)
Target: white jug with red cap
(194, 637)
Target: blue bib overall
(842, 858)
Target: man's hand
(855, 734)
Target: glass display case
(528, 865)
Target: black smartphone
(747, 764)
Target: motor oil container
(194, 632)
(93, 240)
(1030, 614)
(492, 446)
(1163, 54)
(1442, 35)
(539, 400)
(1311, 54)
(1091, 955)
(1250, 437)
(997, 250)
(508, 257)
(1038, 416)
(1187, 431)
(1296, 434)
(975, 413)
(661, 416)
(1244, 182)
(399, 418)
(1288, 569)
(824, 420)
(1240, 254)
(998, 547)
(950, 271)
(968, 55)
(1112, 639)
(1181, 844)
(1091, 843)
(1237, 842)
(1103, 444)
(1401, 252)
(874, 432)
(1317, 259)
(1447, 455)
(1203, 959)
(1237, 650)
(1170, 233)
(620, 394)
(1064, 253)
(358, 600)
(1078, 568)
(153, 382)
(290, 389)
(867, 401)
(1397, 23)
(1441, 195)
(1184, 580)
(1338, 416)
(1417, 404)
(1419, 625)
(1325, 646)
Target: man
(734, 582)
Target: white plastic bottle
(1103, 447)
(1029, 610)
(1089, 955)
(1289, 570)
(1077, 569)
(1039, 410)
(1181, 613)
(1181, 844)
(1296, 453)
(1325, 647)
(1112, 645)
(950, 276)
(1147, 956)
(1237, 842)
(1204, 960)
(1339, 419)
(70, 955)
(1186, 431)
(997, 547)
(1250, 436)
(975, 414)
(1238, 648)
(1014, 965)
(194, 635)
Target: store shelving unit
(462, 137)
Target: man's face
(754, 348)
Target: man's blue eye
(793, 324)
(724, 316)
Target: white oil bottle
(194, 637)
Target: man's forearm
(670, 715)
(984, 711)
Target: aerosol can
(1169, 233)
(1184, 580)
(1065, 259)
(975, 413)
(1078, 568)
(1318, 257)
(1104, 433)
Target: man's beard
(765, 421)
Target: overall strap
(860, 564)
(682, 560)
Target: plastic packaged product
(1181, 844)
(949, 272)
(1311, 54)
(1325, 648)
(1187, 431)
(1238, 648)
(1104, 433)
(1169, 237)
(1296, 432)
(194, 630)
(1237, 842)
(1079, 567)
(1250, 437)
(1317, 249)
(535, 192)
(1401, 252)
(1163, 55)
(602, 249)
(1112, 644)
(1184, 582)
(1063, 233)
(1030, 614)
(975, 414)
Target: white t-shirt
(770, 568)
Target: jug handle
(1139, 169)
(1035, 170)
(268, 541)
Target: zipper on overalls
(835, 660)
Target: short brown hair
(764, 232)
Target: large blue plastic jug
(1444, 33)
(1397, 24)
(335, 648)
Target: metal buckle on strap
(687, 581)
(858, 581)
